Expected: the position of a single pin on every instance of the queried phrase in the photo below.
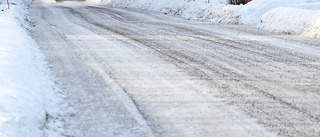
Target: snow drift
(264, 14)
(29, 101)
(302, 22)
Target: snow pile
(302, 20)
(190, 9)
(292, 21)
(29, 101)
(300, 17)
(289, 16)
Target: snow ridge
(297, 23)
(285, 16)
(30, 102)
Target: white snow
(30, 105)
(287, 16)
(303, 22)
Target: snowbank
(300, 17)
(292, 21)
(29, 101)
(218, 11)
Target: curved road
(129, 72)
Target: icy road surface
(136, 73)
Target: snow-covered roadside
(265, 14)
(292, 21)
(300, 17)
(30, 103)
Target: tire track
(205, 71)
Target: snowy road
(136, 73)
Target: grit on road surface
(129, 72)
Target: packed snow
(30, 103)
(286, 16)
